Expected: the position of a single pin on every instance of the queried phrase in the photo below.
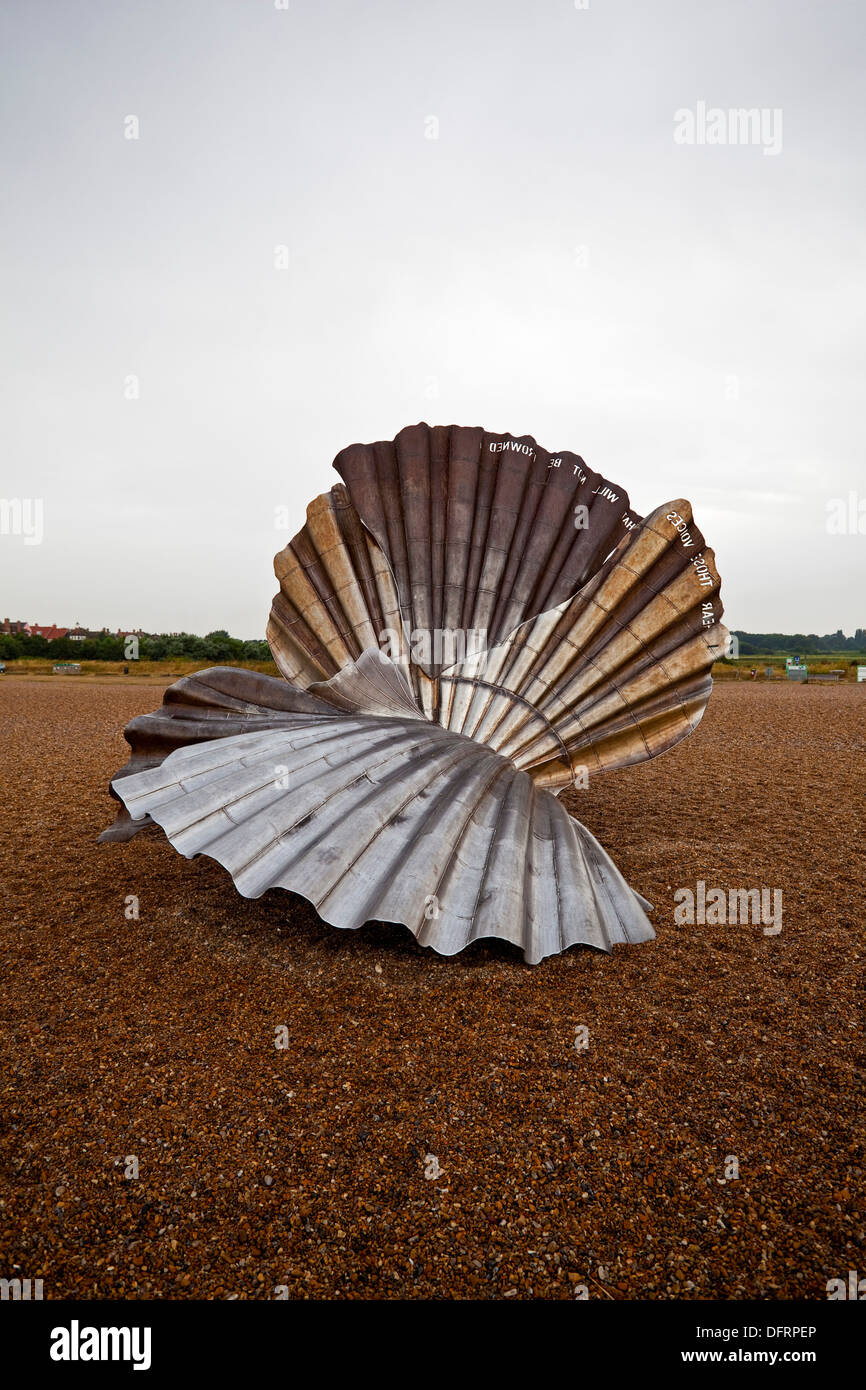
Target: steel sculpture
(465, 627)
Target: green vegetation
(215, 649)
(183, 653)
(834, 644)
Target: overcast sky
(688, 317)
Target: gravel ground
(304, 1167)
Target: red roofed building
(50, 633)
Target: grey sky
(689, 318)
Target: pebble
(154, 1038)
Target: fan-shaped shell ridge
(618, 673)
(481, 529)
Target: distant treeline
(800, 644)
(216, 647)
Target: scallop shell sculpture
(465, 626)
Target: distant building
(52, 633)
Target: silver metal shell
(393, 818)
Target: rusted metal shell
(415, 780)
(446, 534)
(480, 529)
(336, 595)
